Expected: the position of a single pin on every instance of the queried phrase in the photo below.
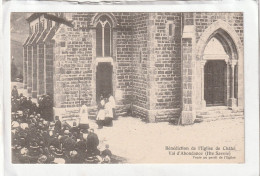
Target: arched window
(103, 37)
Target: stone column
(188, 75)
(25, 67)
(29, 70)
(202, 65)
(34, 71)
(151, 88)
(40, 70)
(232, 100)
(44, 70)
(227, 88)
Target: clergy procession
(37, 138)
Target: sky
(19, 29)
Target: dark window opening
(107, 39)
(99, 40)
(62, 44)
(170, 29)
(104, 37)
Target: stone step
(205, 112)
(223, 112)
(199, 120)
(217, 115)
(222, 118)
(213, 108)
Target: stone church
(158, 66)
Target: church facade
(160, 66)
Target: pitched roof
(51, 17)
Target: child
(106, 155)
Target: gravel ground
(140, 142)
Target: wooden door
(214, 83)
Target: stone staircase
(120, 111)
(217, 113)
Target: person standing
(15, 94)
(83, 117)
(57, 126)
(92, 143)
(109, 114)
(112, 101)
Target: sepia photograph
(127, 87)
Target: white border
(250, 168)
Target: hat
(52, 148)
(24, 151)
(58, 152)
(15, 124)
(34, 145)
(42, 159)
(66, 132)
(85, 135)
(59, 161)
(73, 153)
(24, 125)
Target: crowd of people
(40, 140)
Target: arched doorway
(104, 63)
(219, 76)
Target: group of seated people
(37, 140)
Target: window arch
(104, 37)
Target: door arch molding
(232, 44)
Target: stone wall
(139, 63)
(168, 65)
(205, 19)
(75, 60)
(124, 55)
(156, 71)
